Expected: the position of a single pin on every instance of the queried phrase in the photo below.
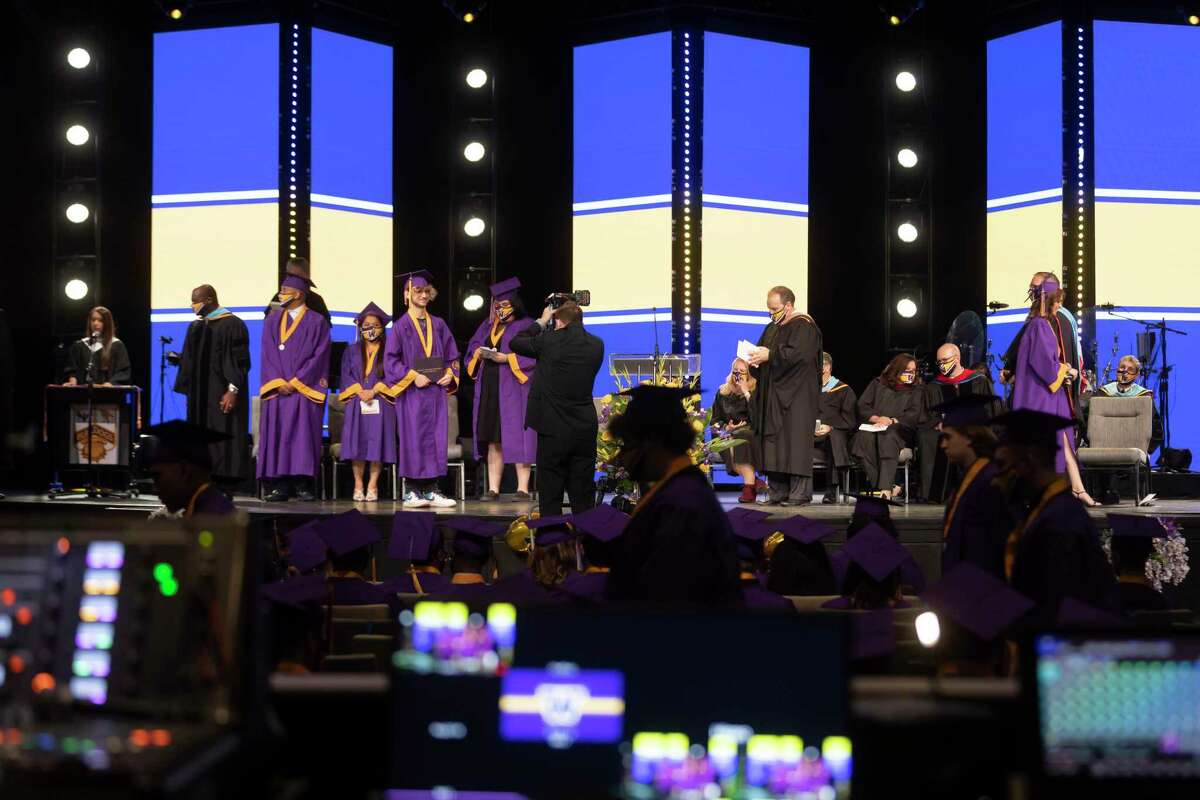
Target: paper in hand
(744, 349)
(866, 426)
(371, 407)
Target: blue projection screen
(755, 224)
(1024, 171)
(215, 192)
(621, 225)
(1147, 160)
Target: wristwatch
(233, 388)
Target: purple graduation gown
(366, 437)
(518, 443)
(980, 526)
(1039, 379)
(211, 502)
(756, 598)
(422, 421)
(289, 428)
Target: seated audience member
(952, 382)
(895, 404)
(351, 573)
(875, 510)
(177, 455)
(599, 529)
(749, 536)
(305, 551)
(977, 519)
(1054, 552)
(731, 416)
(416, 540)
(837, 419)
(1132, 546)
(1129, 369)
(873, 575)
(469, 564)
(555, 553)
(797, 562)
(295, 623)
(975, 611)
(677, 548)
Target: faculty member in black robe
(102, 351)
(787, 367)
(895, 402)
(837, 417)
(952, 381)
(213, 371)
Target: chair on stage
(1118, 433)
(904, 463)
(454, 451)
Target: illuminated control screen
(1119, 708)
(450, 639)
(92, 658)
(562, 705)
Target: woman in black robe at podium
(101, 347)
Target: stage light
(477, 78)
(907, 157)
(78, 135)
(929, 629)
(906, 307)
(79, 58)
(893, 20)
(1193, 19)
(906, 81)
(176, 13)
(907, 232)
(474, 226)
(474, 151)
(472, 301)
(77, 212)
(76, 289)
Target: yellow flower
(607, 399)
(705, 468)
(698, 425)
(606, 436)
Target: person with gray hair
(837, 417)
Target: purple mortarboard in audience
(967, 409)
(558, 520)
(1074, 613)
(347, 532)
(876, 551)
(748, 534)
(413, 536)
(750, 513)
(297, 591)
(976, 600)
(802, 529)
(602, 522)
(551, 530)
(505, 289)
(473, 535)
(306, 548)
(296, 282)
(1140, 525)
(868, 505)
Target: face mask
(907, 377)
(777, 316)
(371, 334)
(197, 308)
(946, 367)
(504, 314)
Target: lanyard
(971, 475)
(426, 336)
(285, 330)
(677, 466)
(1057, 487)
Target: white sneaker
(439, 500)
(414, 500)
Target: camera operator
(560, 404)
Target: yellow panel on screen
(624, 258)
(748, 252)
(233, 247)
(1020, 242)
(351, 258)
(1147, 254)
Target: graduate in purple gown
(502, 381)
(369, 430)
(1044, 374)
(294, 366)
(600, 529)
(421, 369)
(749, 535)
(416, 540)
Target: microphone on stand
(94, 336)
(996, 305)
(1106, 307)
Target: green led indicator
(206, 539)
(169, 588)
(163, 572)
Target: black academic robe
(935, 473)
(838, 408)
(1059, 556)
(784, 403)
(311, 299)
(734, 409)
(879, 452)
(216, 353)
(118, 372)
(677, 549)
(976, 524)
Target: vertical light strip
(1081, 158)
(293, 127)
(687, 193)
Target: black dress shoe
(490, 497)
(522, 497)
(305, 496)
(277, 496)
(829, 499)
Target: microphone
(996, 306)
(1106, 306)
(166, 339)
(95, 335)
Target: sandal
(372, 495)
(359, 496)
(1079, 496)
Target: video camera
(580, 297)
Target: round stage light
(906, 81)
(76, 289)
(474, 151)
(469, 17)
(906, 307)
(176, 13)
(929, 629)
(477, 78)
(79, 58)
(77, 212)
(907, 232)
(473, 301)
(474, 226)
(907, 158)
(78, 135)
(893, 20)
(1193, 19)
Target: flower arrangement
(1168, 564)
(615, 479)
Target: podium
(638, 368)
(99, 442)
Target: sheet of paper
(866, 426)
(744, 348)
(369, 408)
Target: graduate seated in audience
(304, 551)
(730, 416)
(1132, 546)
(893, 406)
(473, 581)
(555, 553)
(975, 612)
(296, 623)
(797, 562)
(749, 535)
(178, 457)
(869, 510)
(678, 546)
(351, 574)
(1054, 552)
(872, 579)
(837, 419)
(597, 531)
(417, 540)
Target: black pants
(879, 453)
(566, 464)
(837, 453)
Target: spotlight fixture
(78, 135)
(907, 232)
(175, 13)
(894, 21)
(77, 212)
(474, 226)
(75, 289)
(899, 13)
(469, 17)
(929, 629)
(473, 288)
(907, 157)
(465, 10)
(477, 78)
(906, 307)
(474, 151)
(472, 301)
(1193, 19)
(906, 81)
(78, 57)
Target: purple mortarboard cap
(752, 513)
(602, 522)
(748, 535)
(473, 535)
(556, 520)
(347, 531)
(1142, 525)
(505, 289)
(297, 591)
(372, 310)
(412, 536)
(803, 529)
(1027, 427)
(296, 282)
(876, 551)
(976, 600)
(306, 548)
(967, 409)
(420, 277)
(869, 505)
(552, 535)
(1074, 613)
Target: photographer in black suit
(560, 405)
